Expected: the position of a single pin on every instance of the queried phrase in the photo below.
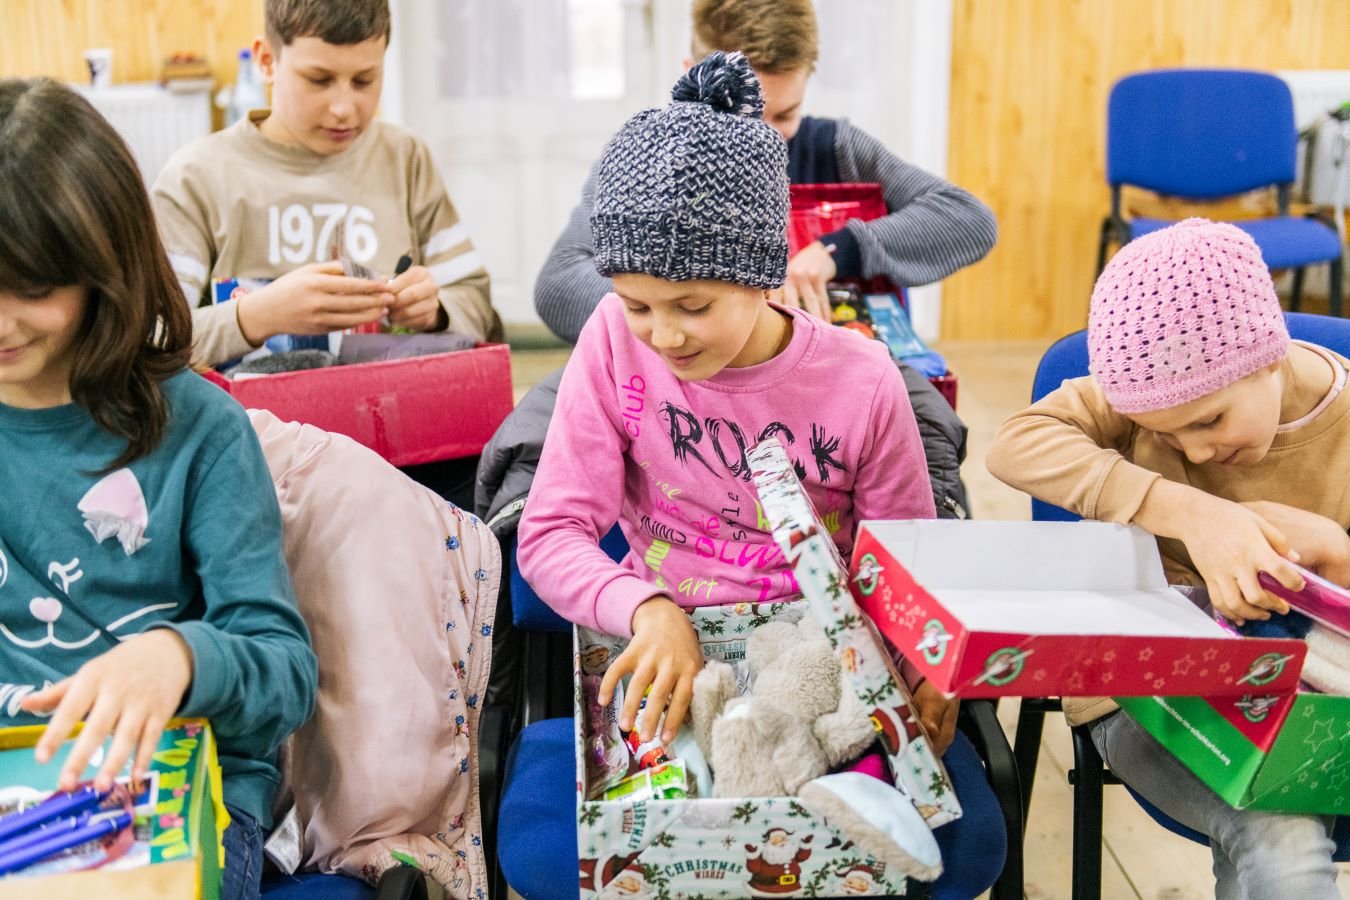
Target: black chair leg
(979, 722)
(1103, 241)
(1087, 817)
(494, 738)
(1334, 288)
(1296, 291)
(1027, 748)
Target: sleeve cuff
(847, 254)
(618, 600)
(202, 697)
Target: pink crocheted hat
(1181, 313)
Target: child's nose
(1197, 450)
(666, 337)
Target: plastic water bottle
(248, 93)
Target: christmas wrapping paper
(709, 847)
(756, 846)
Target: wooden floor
(1139, 859)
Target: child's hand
(1321, 543)
(417, 300)
(664, 654)
(130, 692)
(313, 299)
(808, 273)
(1229, 544)
(937, 713)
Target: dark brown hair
(74, 211)
(331, 21)
(776, 36)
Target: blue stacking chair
(1204, 134)
(1067, 358)
(536, 836)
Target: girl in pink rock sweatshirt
(678, 373)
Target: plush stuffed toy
(801, 719)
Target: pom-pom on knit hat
(1181, 313)
(697, 189)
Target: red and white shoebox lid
(1051, 609)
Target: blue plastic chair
(1204, 134)
(536, 839)
(1066, 359)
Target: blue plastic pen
(44, 831)
(96, 828)
(60, 804)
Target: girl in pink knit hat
(1202, 423)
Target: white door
(517, 98)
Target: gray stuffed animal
(800, 720)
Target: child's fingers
(47, 699)
(417, 275)
(1275, 537)
(128, 734)
(657, 698)
(1229, 600)
(97, 725)
(1258, 596)
(637, 688)
(346, 284)
(617, 669)
(150, 734)
(790, 296)
(680, 699)
(78, 696)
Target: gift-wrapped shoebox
(1051, 609)
(644, 844)
(171, 849)
(1265, 750)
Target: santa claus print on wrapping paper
(775, 866)
(115, 507)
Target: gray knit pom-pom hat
(699, 188)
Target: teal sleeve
(254, 672)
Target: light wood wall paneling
(47, 37)
(1030, 80)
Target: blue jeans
(243, 858)
(1257, 854)
(974, 846)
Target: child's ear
(687, 62)
(267, 60)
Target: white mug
(99, 60)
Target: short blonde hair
(776, 36)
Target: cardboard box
(178, 827)
(706, 847)
(1285, 753)
(410, 411)
(710, 847)
(1050, 609)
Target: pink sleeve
(577, 496)
(892, 481)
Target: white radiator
(153, 120)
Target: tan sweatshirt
(238, 205)
(1071, 449)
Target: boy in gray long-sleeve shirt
(933, 227)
